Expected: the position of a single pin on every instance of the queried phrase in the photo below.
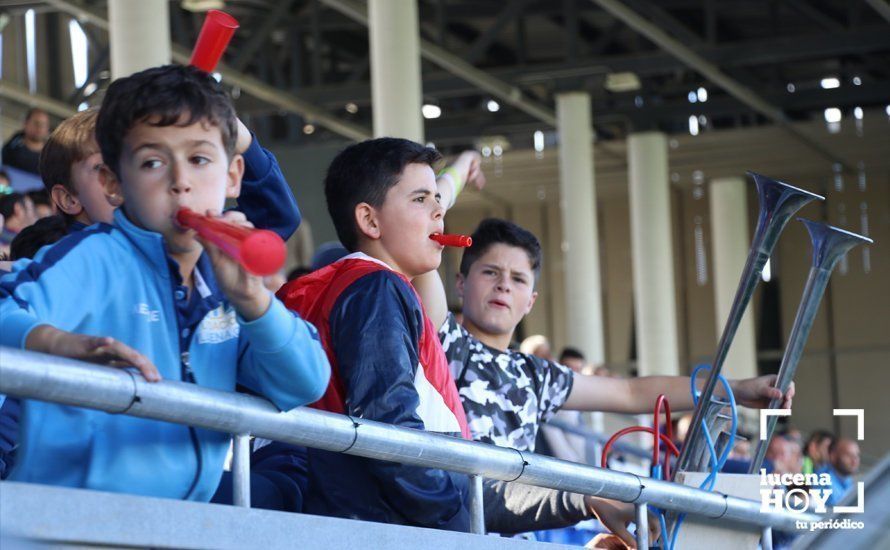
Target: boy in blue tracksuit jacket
(145, 284)
(70, 165)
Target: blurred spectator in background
(816, 451)
(843, 455)
(782, 453)
(682, 428)
(18, 212)
(34, 237)
(537, 345)
(327, 254)
(22, 151)
(573, 359)
(43, 206)
(599, 370)
(275, 281)
(561, 444)
(741, 450)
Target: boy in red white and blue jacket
(387, 362)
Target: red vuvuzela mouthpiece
(259, 251)
(215, 34)
(460, 241)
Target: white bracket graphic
(766, 413)
(860, 420)
(860, 502)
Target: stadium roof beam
(24, 97)
(713, 73)
(506, 92)
(260, 35)
(283, 100)
(510, 12)
(880, 6)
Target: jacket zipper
(188, 375)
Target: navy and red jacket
(387, 365)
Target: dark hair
(818, 436)
(174, 95)
(72, 141)
(493, 231)
(364, 172)
(32, 238)
(40, 198)
(298, 272)
(570, 353)
(835, 441)
(8, 202)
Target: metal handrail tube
(829, 246)
(778, 202)
(32, 375)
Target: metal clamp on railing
(36, 376)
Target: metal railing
(48, 378)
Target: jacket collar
(152, 246)
(149, 243)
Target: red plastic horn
(260, 251)
(215, 34)
(460, 241)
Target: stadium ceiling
(759, 62)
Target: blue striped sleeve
(39, 290)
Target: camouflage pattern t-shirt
(506, 394)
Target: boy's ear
(233, 179)
(366, 220)
(459, 285)
(111, 186)
(65, 200)
(531, 303)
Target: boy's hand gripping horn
(259, 251)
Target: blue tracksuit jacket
(118, 281)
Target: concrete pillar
(731, 240)
(139, 35)
(653, 256)
(395, 69)
(581, 242)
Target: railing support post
(241, 471)
(766, 541)
(642, 510)
(477, 508)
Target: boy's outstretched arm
(468, 169)
(638, 395)
(266, 198)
